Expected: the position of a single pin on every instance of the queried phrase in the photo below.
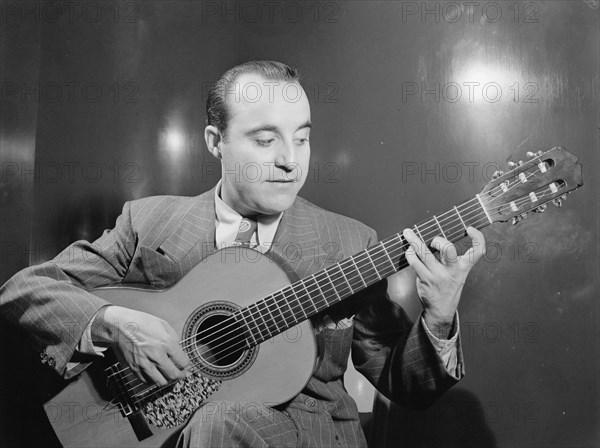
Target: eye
(301, 141)
(265, 142)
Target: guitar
(255, 344)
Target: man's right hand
(149, 345)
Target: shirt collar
(228, 222)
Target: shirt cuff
(446, 348)
(86, 346)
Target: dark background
(413, 107)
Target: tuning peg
(523, 215)
(539, 153)
(541, 209)
(557, 201)
(497, 174)
(511, 164)
(530, 154)
(515, 220)
(564, 197)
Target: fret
(460, 217)
(303, 302)
(272, 307)
(309, 282)
(438, 224)
(358, 271)
(321, 291)
(247, 321)
(387, 255)
(484, 210)
(385, 263)
(340, 283)
(288, 312)
(368, 253)
(333, 287)
(259, 321)
(297, 301)
(366, 268)
(419, 233)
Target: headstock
(528, 186)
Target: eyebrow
(271, 128)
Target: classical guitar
(246, 329)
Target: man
(258, 116)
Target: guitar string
(367, 262)
(353, 279)
(317, 287)
(148, 395)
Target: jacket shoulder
(345, 226)
(158, 208)
(156, 215)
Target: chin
(277, 205)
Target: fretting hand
(440, 282)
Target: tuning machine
(519, 218)
(497, 174)
(541, 209)
(559, 200)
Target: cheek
(304, 163)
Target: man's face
(266, 150)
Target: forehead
(253, 100)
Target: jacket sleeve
(48, 302)
(397, 356)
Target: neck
(315, 293)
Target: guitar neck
(315, 293)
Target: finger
(448, 254)
(169, 370)
(151, 372)
(477, 249)
(179, 357)
(415, 262)
(139, 374)
(421, 249)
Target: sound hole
(220, 341)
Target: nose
(286, 156)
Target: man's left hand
(440, 282)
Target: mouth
(283, 181)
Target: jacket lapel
(194, 238)
(296, 244)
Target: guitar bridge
(128, 407)
(116, 382)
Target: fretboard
(315, 293)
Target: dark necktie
(247, 228)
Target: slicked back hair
(216, 106)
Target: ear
(213, 140)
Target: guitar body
(274, 372)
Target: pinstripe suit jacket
(157, 240)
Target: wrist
(440, 326)
(104, 328)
